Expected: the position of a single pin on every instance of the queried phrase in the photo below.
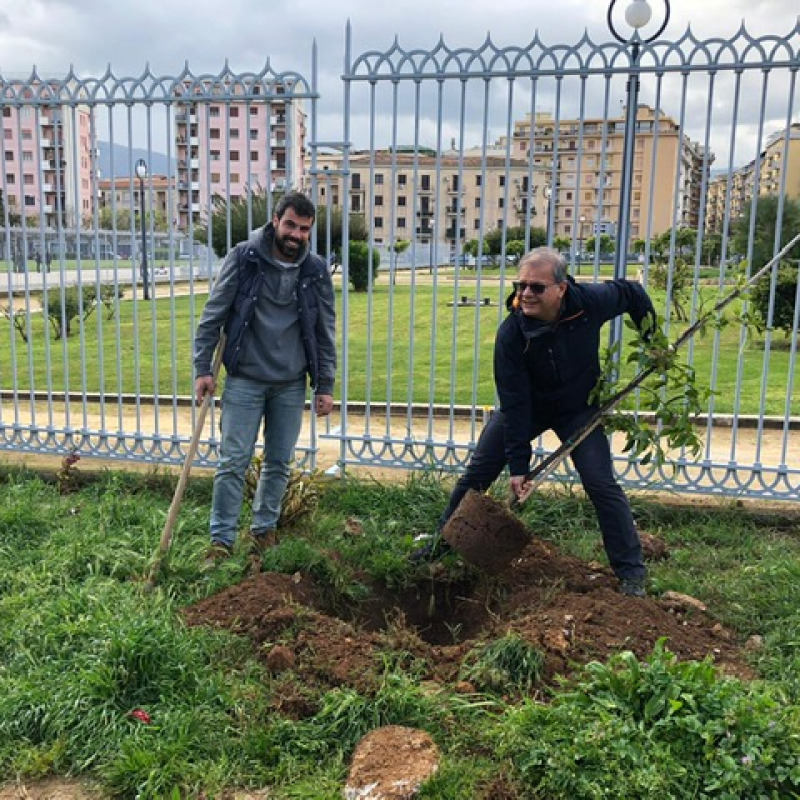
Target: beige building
(448, 198)
(778, 168)
(122, 194)
(586, 157)
(227, 147)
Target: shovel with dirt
(488, 535)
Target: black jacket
(545, 372)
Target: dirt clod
(390, 763)
(485, 533)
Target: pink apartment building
(225, 146)
(47, 162)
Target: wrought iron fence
(457, 159)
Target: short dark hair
(298, 202)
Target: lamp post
(581, 221)
(432, 235)
(637, 15)
(141, 174)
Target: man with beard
(274, 300)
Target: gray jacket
(279, 319)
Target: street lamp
(432, 234)
(637, 15)
(581, 221)
(141, 174)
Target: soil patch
(568, 608)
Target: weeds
(507, 666)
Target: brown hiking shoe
(262, 541)
(216, 553)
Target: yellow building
(778, 168)
(448, 197)
(586, 157)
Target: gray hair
(549, 256)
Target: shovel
(172, 515)
(475, 533)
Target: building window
(378, 199)
(213, 111)
(11, 178)
(215, 177)
(234, 177)
(253, 133)
(215, 155)
(30, 200)
(401, 222)
(478, 180)
(378, 222)
(401, 201)
(477, 202)
(27, 155)
(254, 155)
(501, 181)
(28, 180)
(568, 196)
(6, 112)
(214, 133)
(234, 155)
(7, 134)
(401, 180)
(501, 203)
(425, 183)
(234, 133)
(355, 203)
(476, 225)
(233, 111)
(27, 136)
(355, 181)
(379, 179)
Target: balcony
(195, 163)
(194, 140)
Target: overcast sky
(90, 34)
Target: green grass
(82, 646)
(151, 342)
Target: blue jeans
(246, 404)
(592, 460)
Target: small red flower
(141, 715)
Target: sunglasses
(536, 288)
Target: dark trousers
(592, 460)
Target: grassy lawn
(85, 652)
(152, 343)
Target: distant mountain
(157, 163)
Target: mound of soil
(568, 608)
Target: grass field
(150, 342)
(103, 681)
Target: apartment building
(776, 171)
(228, 146)
(48, 162)
(586, 158)
(450, 198)
(122, 194)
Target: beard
(288, 248)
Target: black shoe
(632, 587)
(433, 551)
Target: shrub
(661, 728)
(785, 294)
(359, 265)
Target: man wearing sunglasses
(546, 364)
